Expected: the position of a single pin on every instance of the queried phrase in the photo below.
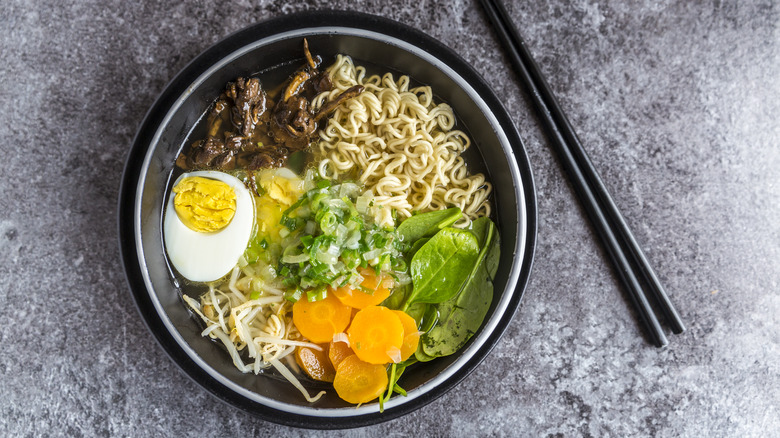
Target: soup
(330, 230)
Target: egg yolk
(282, 190)
(204, 205)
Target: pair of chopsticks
(620, 244)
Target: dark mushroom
(312, 62)
(331, 105)
(261, 160)
(205, 151)
(235, 143)
(249, 104)
(293, 122)
(321, 82)
(226, 161)
(296, 85)
(260, 138)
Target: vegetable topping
(376, 335)
(359, 382)
(319, 320)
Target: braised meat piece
(293, 122)
(204, 152)
(243, 133)
(321, 83)
(249, 104)
(212, 153)
(266, 160)
(242, 105)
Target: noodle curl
(400, 144)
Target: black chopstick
(619, 241)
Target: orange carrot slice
(316, 363)
(319, 320)
(359, 382)
(375, 289)
(354, 312)
(338, 351)
(376, 335)
(411, 334)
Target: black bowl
(276, 43)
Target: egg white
(209, 256)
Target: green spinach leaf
(397, 297)
(493, 255)
(427, 224)
(421, 356)
(421, 315)
(416, 246)
(426, 315)
(461, 316)
(442, 265)
(481, 227)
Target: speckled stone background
(678, 103)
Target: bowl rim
(219, 54)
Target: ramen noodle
(401, 145)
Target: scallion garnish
(329, 238)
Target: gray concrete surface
(676, 101)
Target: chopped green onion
(295, 258)
(372, 254)
(293, 295)
(307, 240)
(317, 294)
(327, 238)
(311, 227)
(363, 201)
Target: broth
(298, 161)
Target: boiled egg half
(208, 223)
